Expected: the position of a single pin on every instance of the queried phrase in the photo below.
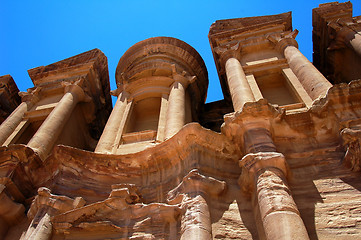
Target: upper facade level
(162, 84)
(71, 94)
(258, 57)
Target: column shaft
(10, 124)
(196, 222)
(46, 136)
(312, 80)
(108, 138)
(279, 213)
(40, 231)
(176, 110)
(356, 43)
(238, 85)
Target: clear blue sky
(36, 33)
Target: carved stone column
(191, 194)
(43, 207)
(355, 42)
(176, 103)
(312, 80)
(10, 124)
(107, 140)
(236, 78)
(44, 139)
(266, 172)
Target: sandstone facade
(278, 158)
(9, 98)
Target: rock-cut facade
(277, 158)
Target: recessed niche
(275, 88)
(144, 118)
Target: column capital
(194, 182)
(253, 163)
(57, 204)
(284, 40)
(228, 51)
(77, 89)
(182, 78)
(31, 96)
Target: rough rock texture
(9, 98)
(284, 165)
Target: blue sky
(36, 33)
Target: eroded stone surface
(284, 165)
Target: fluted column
(238, 85)
(107, 140)
(267, 172)
(176, 104)
(191, 194)
(46, 136)
(315, 84)
(10, 124)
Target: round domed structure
(151, 61)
